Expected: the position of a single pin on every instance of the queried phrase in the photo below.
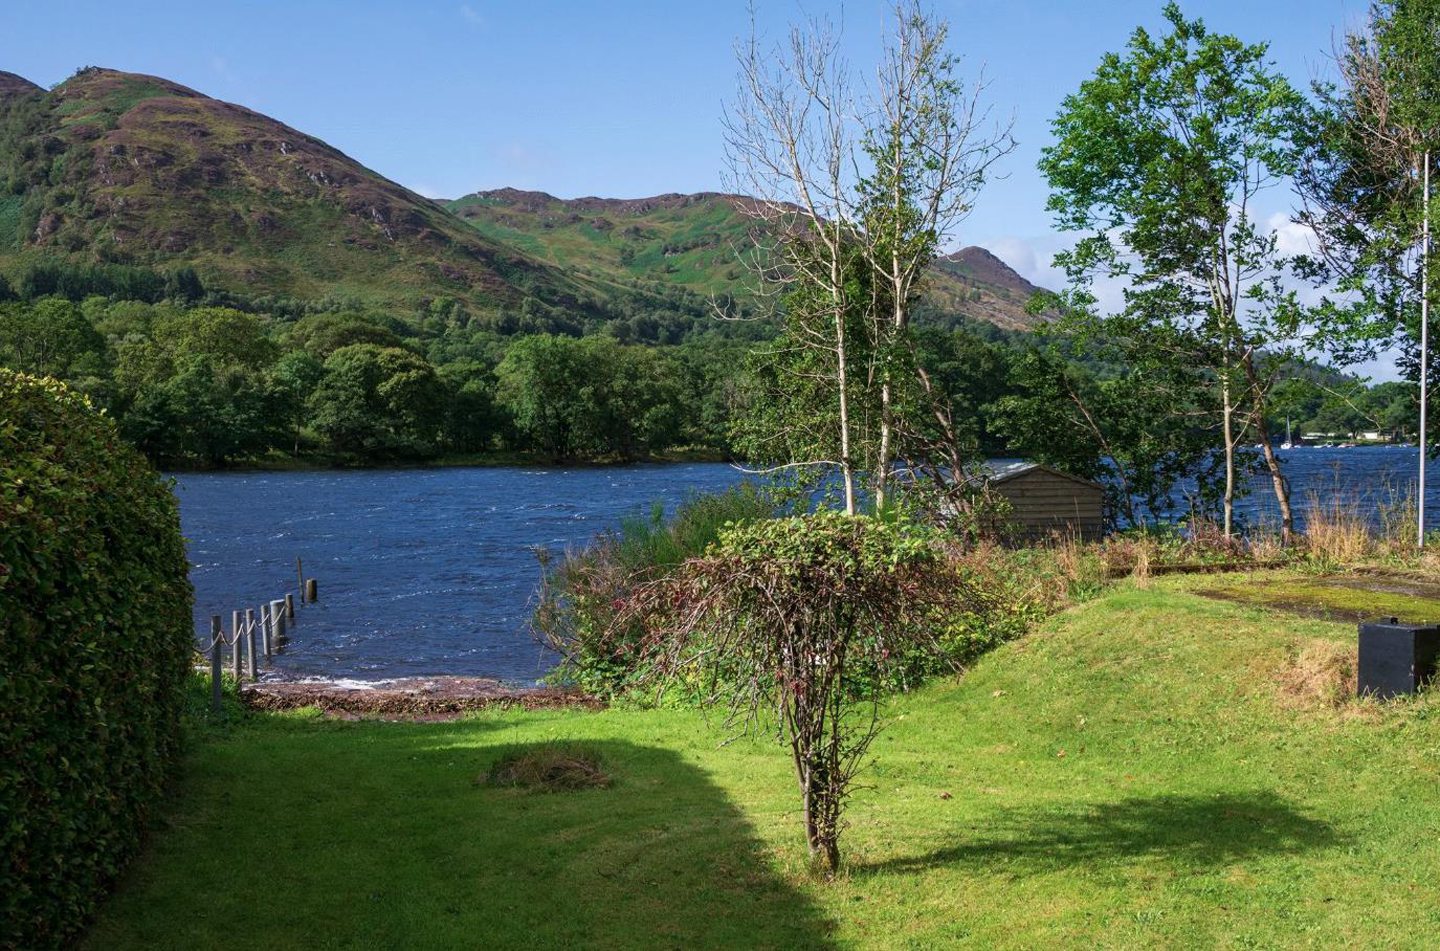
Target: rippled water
(421, 571)
(431, 571)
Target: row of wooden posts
(262, 635)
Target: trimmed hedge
(95, 646)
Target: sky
(617, 99)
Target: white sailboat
(1288, 443)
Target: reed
(1335, 532)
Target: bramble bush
(95, 646)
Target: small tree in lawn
(1160, 156)
(805, 620)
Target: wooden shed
(1045, 501)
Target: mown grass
(1132, 774)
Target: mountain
(130, 168)
(976, 283)
(697, 242)
(689, 241)
(12, 86)
(114, 167)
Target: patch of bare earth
(414, 698)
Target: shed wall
(1043, 503)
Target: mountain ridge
(119, 167)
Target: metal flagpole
(1424, 347)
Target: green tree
(322, 334)
(473, 421)
(378, 402)
(591, 396)
(1363, 180)
(52, 337)
(1159, 158)
(294, 378)
(537, 384)
(1137, 432)
(199, 387)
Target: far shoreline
(489, 460)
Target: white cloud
(1291, 237)
(470, 16)
(1033, 258)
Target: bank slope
(1139, 772)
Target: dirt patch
(1321, 674)
(1343, 598)
(550, 768)
(1389, 584)
(415, 698)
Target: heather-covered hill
(113, 166)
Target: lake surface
(433, 571)
(421, 571)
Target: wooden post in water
(265, 634)
(235, 644)
(299, 583)
(312, 593)
(277, 621)
(250, 643)
(215, 640)
(289, 606)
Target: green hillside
(120, 167)
(699, 242)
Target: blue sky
(618, 99)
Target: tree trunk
(842, 380)
(1278, 482)
(1228, 420)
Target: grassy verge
(1134, 773)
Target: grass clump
(551, 767)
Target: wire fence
(254, 633)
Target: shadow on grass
(1193, 831)
(378, 836)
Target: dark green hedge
(95, 642)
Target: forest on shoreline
(204, 379)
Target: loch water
(433, 571)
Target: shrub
(95, 644)
(583, 590)
(802, 619)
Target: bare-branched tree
(790, 143)
(930, 143)
(855, 185)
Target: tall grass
(1335, 532)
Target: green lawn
(1132, 774)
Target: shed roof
(1014, 470)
